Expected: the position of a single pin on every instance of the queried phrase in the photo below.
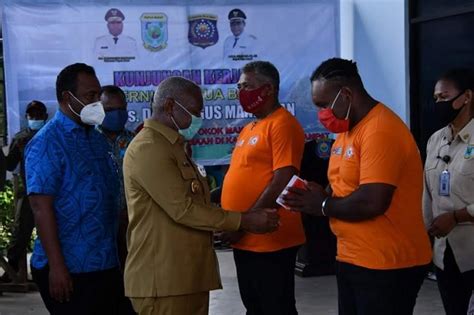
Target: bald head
(176, 88)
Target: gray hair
(172, 87)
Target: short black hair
(462, 78)
(35, 105)
(113, 90)
(265, 69)
(341, 71)
(67, 78)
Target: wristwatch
(323, 206)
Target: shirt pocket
(432, 175)
(187, 171)
(431, 164)
(466, 167)
(463, 182)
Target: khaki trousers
(191, 304)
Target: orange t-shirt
(380, 149)
(263, 147)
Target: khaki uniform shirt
(169, 238)
(461, 170)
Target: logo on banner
(323, 149)
(203, 30)
(154, 31)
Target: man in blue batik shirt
(72, 184)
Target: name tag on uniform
(444, 179)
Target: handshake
(257, 221)
(260, 221)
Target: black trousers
(94, 293)
(455, 287)
(365, 291)
(267, 281)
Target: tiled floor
(313, 296)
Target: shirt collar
(171, 135)
(122, 133)
(466, 133)
(66, 121)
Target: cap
(35, 105)
(236, 14)
(114, 15)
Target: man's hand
(60, 283)
(442, 225)
(231, 237)
(306, 200)
(260, 221)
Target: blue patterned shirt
(74, 164)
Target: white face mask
(91, 114)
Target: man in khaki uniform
(171, 265)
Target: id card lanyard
(444, 182)
(445, 178)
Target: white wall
(374, 33)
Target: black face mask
(445, 112)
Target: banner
(137, 46)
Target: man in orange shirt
(374, 200)
(267, 154)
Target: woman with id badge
(448, 199)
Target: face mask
(190, 132)
(35, 124)
(331, 122)
(115, 120)
(91, 114)
(252, 101)
(445, 112)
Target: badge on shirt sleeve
(468, 152)
(195, 186)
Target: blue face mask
(35, 124)
(115, 120)
(190, 132)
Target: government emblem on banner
(154, 31)
(323, 149)
(203, 30)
